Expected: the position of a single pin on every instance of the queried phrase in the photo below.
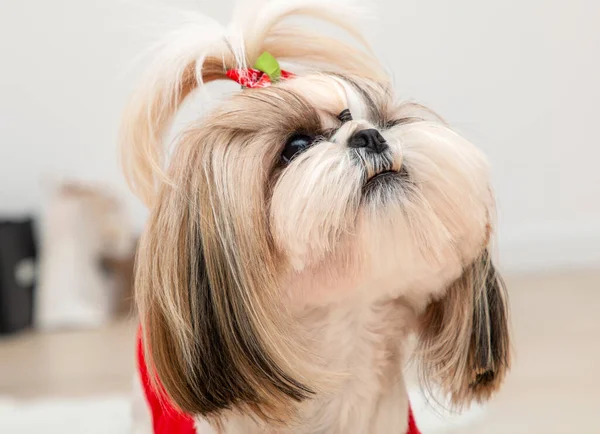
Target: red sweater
(166, 419)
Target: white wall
(521, 78)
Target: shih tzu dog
(302, 232)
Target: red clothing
(165, 418)
(412, 425)
(168, 420)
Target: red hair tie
(266, 71)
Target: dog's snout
(370, 139)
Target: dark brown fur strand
(490, 322)
(464, 339)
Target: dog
(303, 232)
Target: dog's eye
(396, 122)
(295, 145)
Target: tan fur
(452, 329)
(279, 297)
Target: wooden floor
(554, 387)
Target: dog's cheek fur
(315, 202)
(464, 336)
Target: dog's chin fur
(278, 297)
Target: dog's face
(391, 198)
(315, 191)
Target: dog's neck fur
(363, 342)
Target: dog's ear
(214, 333)
(464, 337)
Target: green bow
(269, 65)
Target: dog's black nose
(370, 139)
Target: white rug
(100, 415)
(112, 415)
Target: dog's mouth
(380, 170)
(388, 175)
(384, 178)
(382, 175)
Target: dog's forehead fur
(303, 104)
(331, 93)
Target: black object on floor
(17, 275)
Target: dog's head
(313, 190)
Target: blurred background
(517, 77)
